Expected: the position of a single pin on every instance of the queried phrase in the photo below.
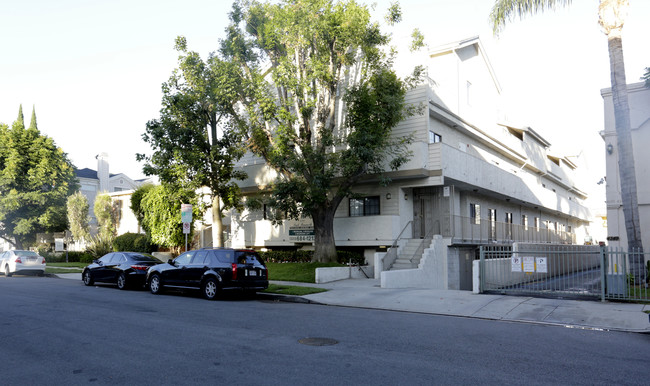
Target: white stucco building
(639, 102)
(119, 186)
(474, 178)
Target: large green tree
(611, 18)
(320, 102)
(36, 177)
(160, 210)
(195, 141)
(77, 211)
(106, 215)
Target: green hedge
(302, 256)
(73, 257)
(133, 242)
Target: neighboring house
(473, 179)
(639, 101)
(119, 186)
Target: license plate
(252, 273)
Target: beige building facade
(639, 101)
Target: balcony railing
(467, 231)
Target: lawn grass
(62, 270)
(71, 265)
(292, 290)
(300, 272)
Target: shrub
(99, 246)
(133, 242)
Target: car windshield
(144, 258)
(26, 253)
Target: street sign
(186, 213)
(186, 227)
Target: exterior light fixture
(610, 148)
(406, 196)
(388, 196)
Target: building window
(537, 224)
(524, 221)
(367, 206)
(492, 217)
(434, 138)
(508, 225)
(475, 213)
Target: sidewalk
(366, 293)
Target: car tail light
(234, 271)
(18, 260)
(43, 262)
(140, 267)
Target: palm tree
(611, 18)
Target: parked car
(126, 269)
(22, 262)
(211, 270)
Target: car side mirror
(170, 262)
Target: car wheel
(121, 281)
(7, 271)
(210, 288)
(155, 285)
(88, 278)
(41, 273)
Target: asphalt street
(55, 331)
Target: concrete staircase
(408, 257)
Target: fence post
(603, 262)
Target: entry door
(427, 212)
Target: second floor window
(475, 213)
(367, 206)
(434, 138)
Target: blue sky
(94, 68)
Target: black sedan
(211, 270)
(125, 269)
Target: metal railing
(467, 231)
(576, 271)
(391, 255)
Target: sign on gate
(516, 264)
(540, 265)
(529, 264)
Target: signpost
(186, 218)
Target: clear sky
(93, 68)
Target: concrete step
(398, 266)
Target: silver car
(22, 262)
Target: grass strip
(292, 290)
(62, 270)
(71, 265)
(300, 272)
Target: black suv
(211, 270)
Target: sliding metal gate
(566, 271)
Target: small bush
(99, 246)
(133, 242)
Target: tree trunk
(217, 223)
(625, 152)
(325, 246)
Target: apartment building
(474, 178)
